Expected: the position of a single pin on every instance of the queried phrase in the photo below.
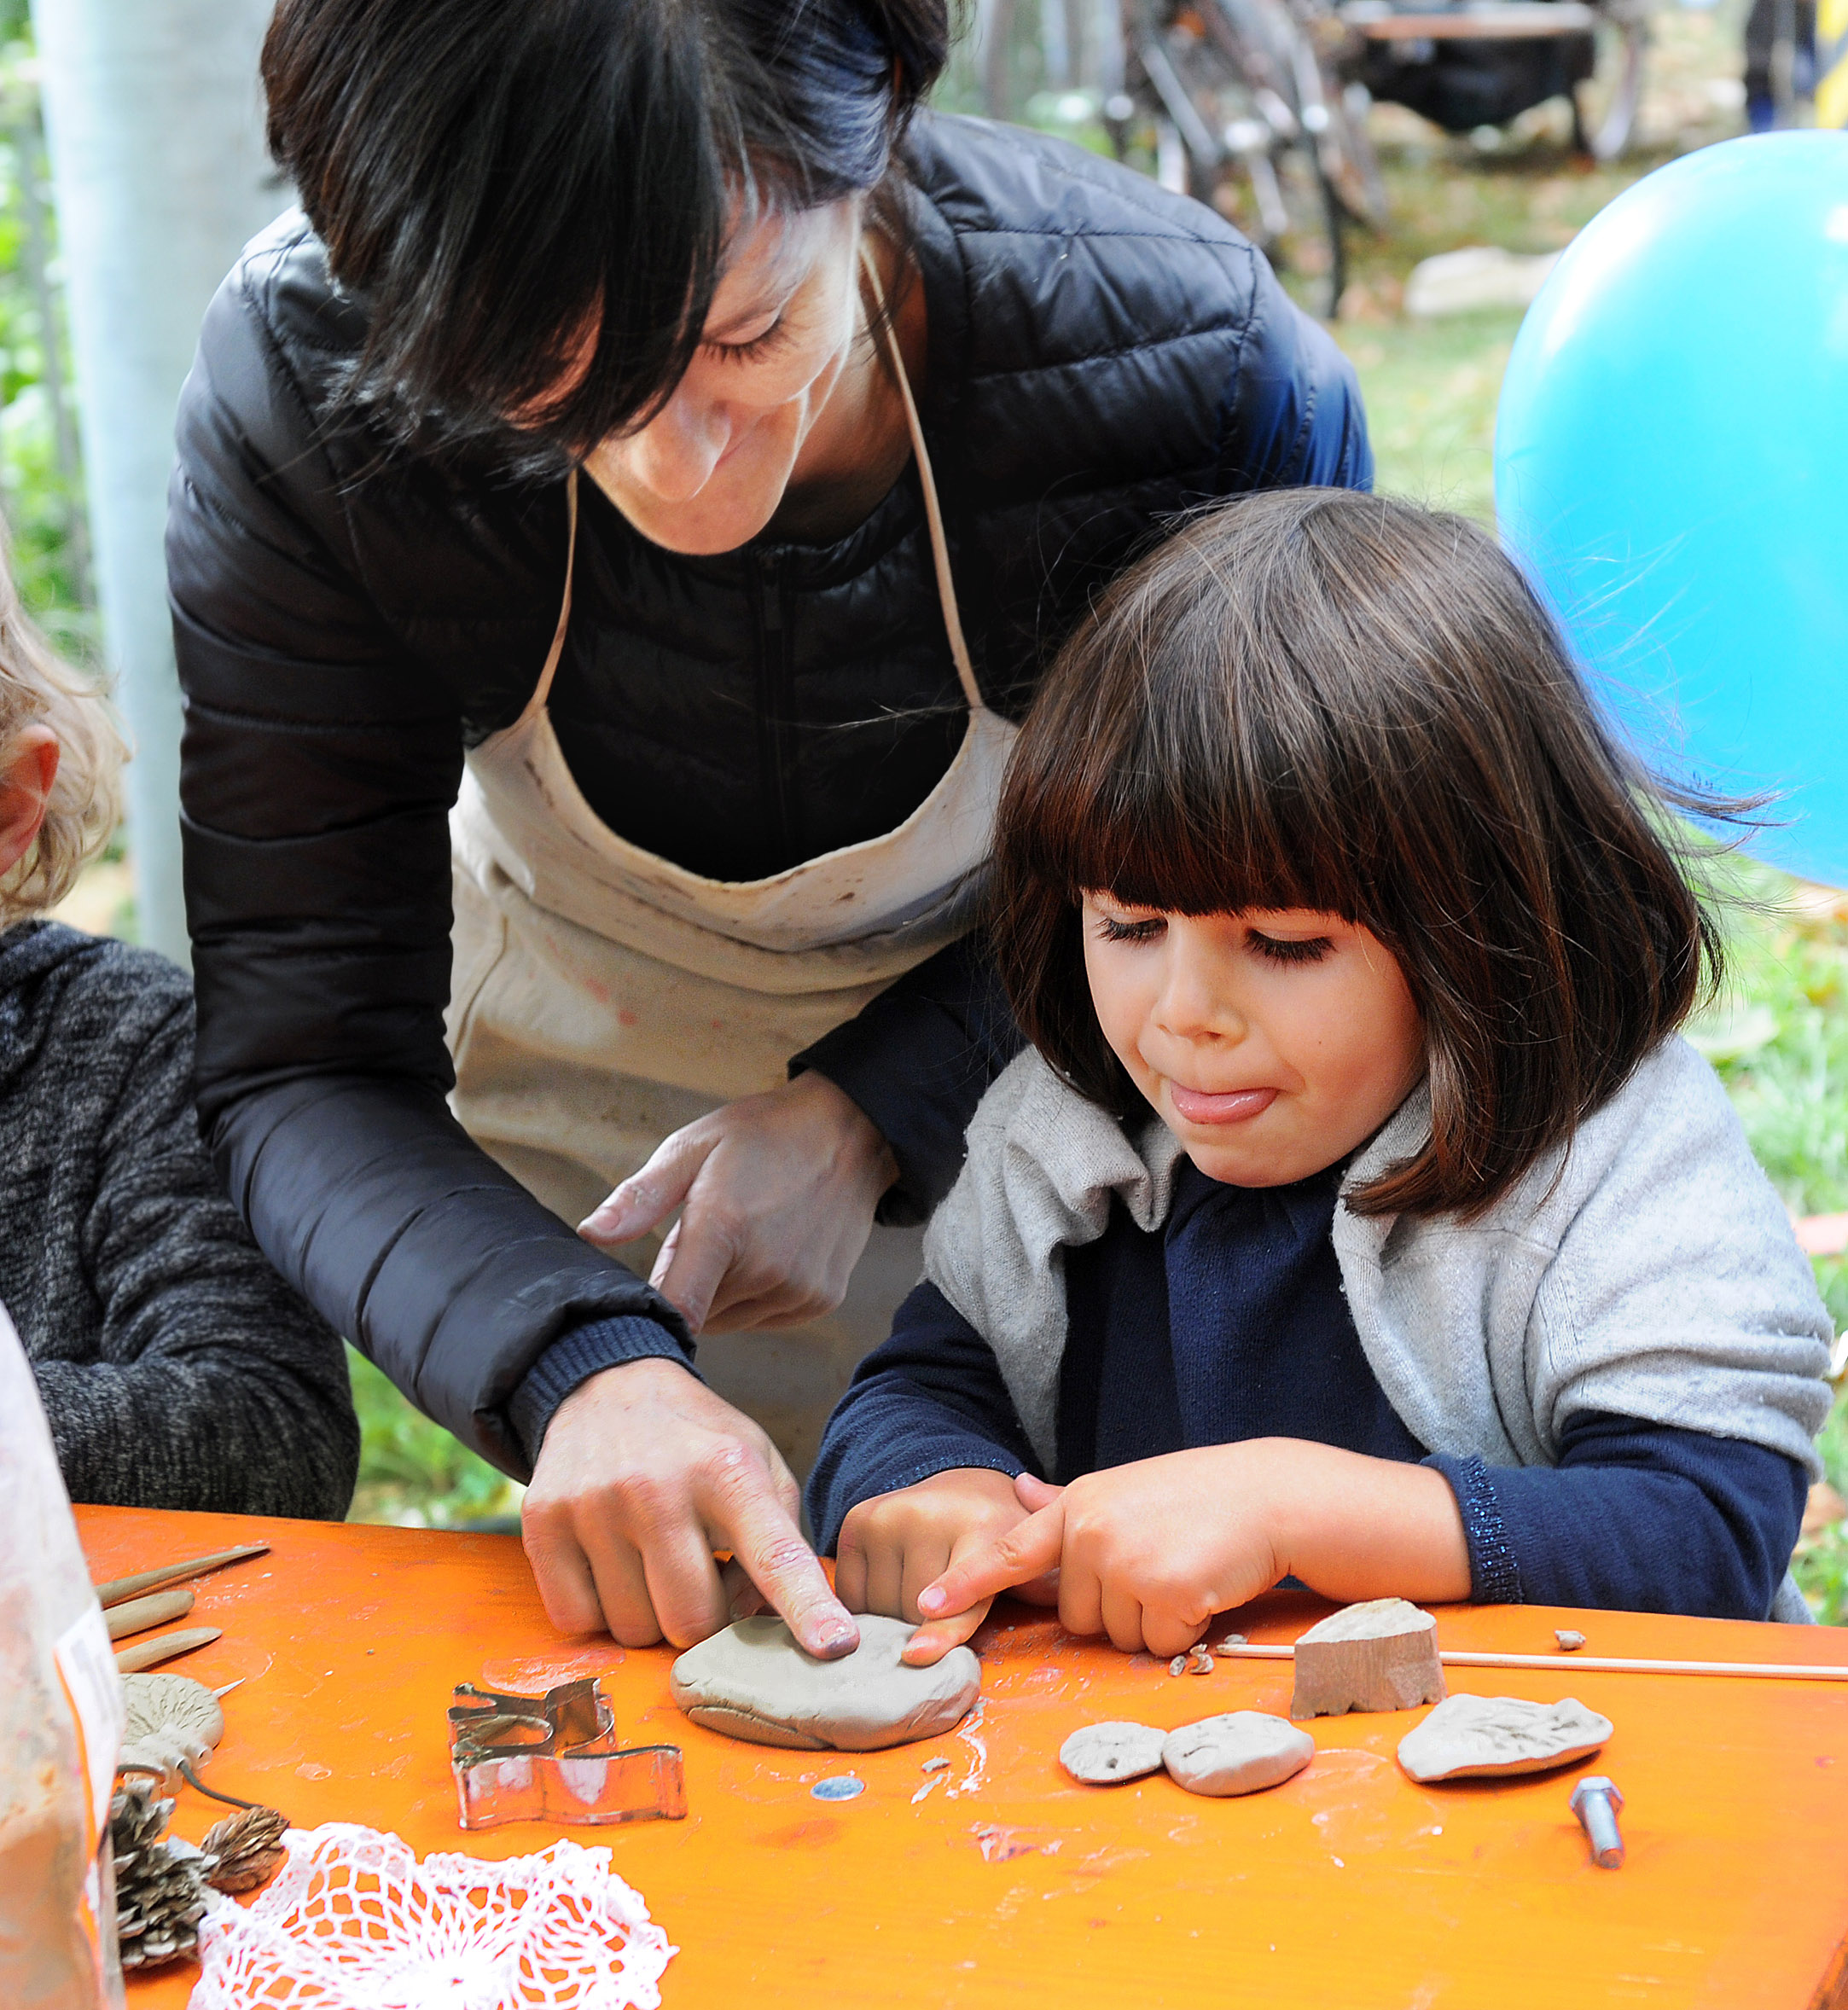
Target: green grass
(411, 1472)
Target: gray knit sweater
(176, 1369)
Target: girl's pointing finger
(1028, 1550)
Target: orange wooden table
(1007, 1883)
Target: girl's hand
(1147, 1553)
(891, 1547)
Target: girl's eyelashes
(1111, 930)
(1277, 949)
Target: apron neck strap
(542, 691)
(946, 586)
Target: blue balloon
(1671, 468)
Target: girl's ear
(27, 771)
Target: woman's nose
(674, 455)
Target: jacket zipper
(775, 726)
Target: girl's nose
(674, 455)
(1194, 1001)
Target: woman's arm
(321, 758)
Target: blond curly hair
(87, 799)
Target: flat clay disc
(1242, 1752)
(753, 1681)
(1105, 1755)
(1465, 1735)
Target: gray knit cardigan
(176, 1369)
(1649, 1269)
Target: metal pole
(154, 114)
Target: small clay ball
(1243, 1751)
(1105, 1755)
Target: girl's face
(707, 472)
(1272, 1044)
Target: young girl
(1356, 1214)
(176, 1368)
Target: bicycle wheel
(1605, 103)
(1282, 200)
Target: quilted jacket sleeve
(321, 758)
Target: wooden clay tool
(1796, 1672)
(139, 1613)
(164, 1647)
(119, 1589)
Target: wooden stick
(141, 1613)
(1796, 1672)
(164, 1647)
(113, 1592)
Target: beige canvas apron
(603, 996)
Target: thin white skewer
(1597, 1663)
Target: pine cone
(244, 1849)
(159, 1895)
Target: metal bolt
(1595, 1801)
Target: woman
(658, 444)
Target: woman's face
(707, 472)
(1272, 1044)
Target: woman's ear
(27, 771)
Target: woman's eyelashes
(772, 338)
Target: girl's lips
(1233, 1106)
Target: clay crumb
(1231, 1641)
(1570, 1642)
(938, 1764)
(1178, 1665)
(1199, 1661)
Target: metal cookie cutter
(555, 1758)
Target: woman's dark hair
(507, 183)
(1316, 699)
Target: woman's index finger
(1027, 1550)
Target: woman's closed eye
(772, 338)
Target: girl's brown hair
(1317, 699)
(85, 803)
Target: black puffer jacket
(1100, 356)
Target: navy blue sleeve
(917, 1060)
(1635, 1518)
(929, 1400)
(573, 1359)
(1293, 416)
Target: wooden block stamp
(1381, 1655)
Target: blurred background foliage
(1779, 1038)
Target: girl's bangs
(1190, 832)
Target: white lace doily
(354, 1922)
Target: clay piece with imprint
(1244, 1752)
(1109, 1754)
(753, 1681)
(1470, 1736)
(1378, 1655)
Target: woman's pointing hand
(643, 1472)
